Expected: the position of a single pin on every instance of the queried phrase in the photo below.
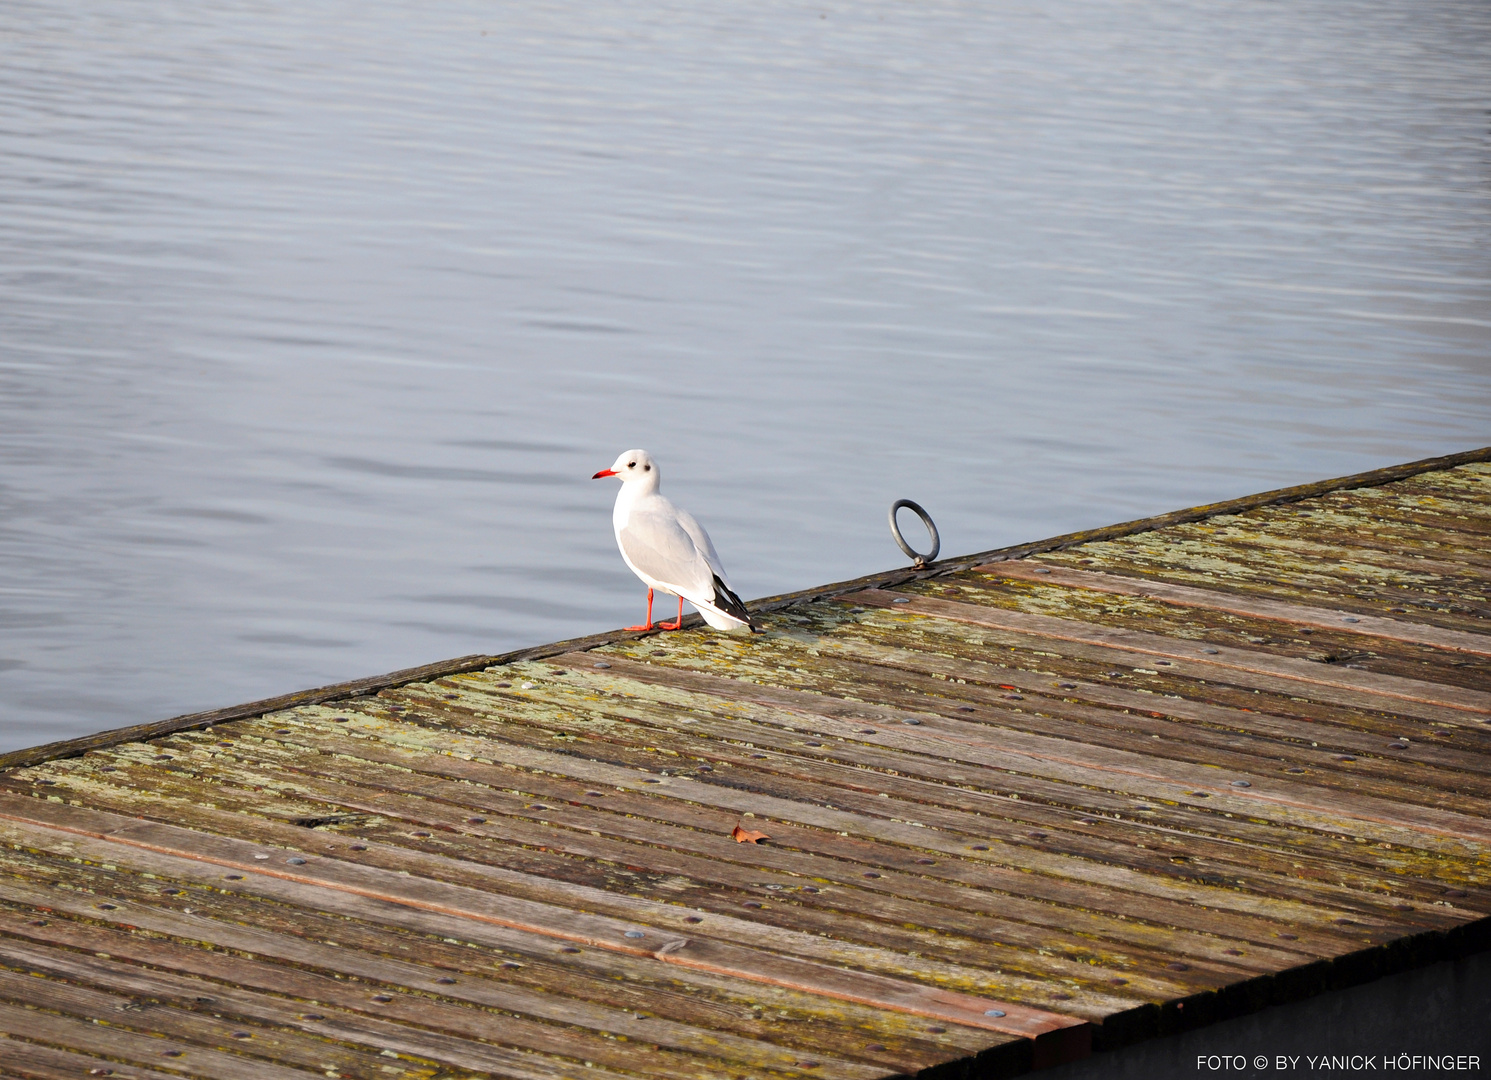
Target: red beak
(604, 472)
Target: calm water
(316, 317)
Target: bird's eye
(631, 464)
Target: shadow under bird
(668, 549)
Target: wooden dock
(971, 820)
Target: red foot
(649, 613)
(662, 625)
(676, 623)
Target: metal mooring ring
(895, 530)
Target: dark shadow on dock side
(1444, 1008)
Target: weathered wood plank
(1023, 956)
(36, 1062)
(342, 946)
(1254, 669)
(1067, 1034)
(1081, 763)
(1207, 627)
(899, 778)
(336, 1012)
(1198, 902)
(1007, 820)
(1322, 546)
(853, 901)
(340, 1008)
(204, 1015)
(1192, 559)
(1433, 768)
(1374, 519)
(860, 753)
(859, 890)
(856, 849)
(1077, 673)
(942, 978)
(1049, 706)
(1189, 596)
(115, 1042)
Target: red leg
(676, 623)
(649, 614)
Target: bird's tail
(730, 604)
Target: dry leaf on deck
(746, 836)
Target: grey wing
(702, 542)
(658, 545)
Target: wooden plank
(1430, 768)
(1466, 531)
(1198, 906)
(1472, 480)
(1043, 667)
(582, 820)
(1189, 596)
(1023, 956)
(1446, 553)
(894, 737)
(1066, 661)
(1343, 685)
(1364, 528)
(341, 1006)
(1372, 519)
(105, 1041)
(318, 1013)
(921, 781)
(1192, 558)
(339, 943)
(995, 658)
(775, 968)
(1042, 701)
(845, 900)
(992, 827)
(903, 900)
(1074, 761)
(50, 979)
(1313, 546)
(1206, 627)
(1460, 502)
(978, 871)
(1066, 1036)
(948, 693)
(35, 1062)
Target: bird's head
(634, 465)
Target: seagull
(668, 549)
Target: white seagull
(668, 549)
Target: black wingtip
(731, 604)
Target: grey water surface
(316, 317)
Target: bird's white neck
(632, 492)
